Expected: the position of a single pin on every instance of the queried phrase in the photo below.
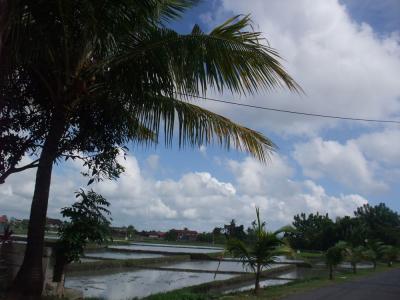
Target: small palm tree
(354, 254)
(389, 254)
(371, 255)
(372, 252)
(333, 257)
(262, 252)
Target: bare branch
(13, 170)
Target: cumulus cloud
(344, 67)
(344, 163)
(382, 146)
(197, 199)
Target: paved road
(383, 286)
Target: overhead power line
(293, 111)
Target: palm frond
(227, 58)
(197, 126)
(239, 250)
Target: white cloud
(196, 200)
(344, 163)
(382, 146)
(153, 161)
(344, 67)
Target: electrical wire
(292, 111)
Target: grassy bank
(273, 292)
(110, 264)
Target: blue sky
(346, 56)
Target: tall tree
(80, 79)
(312, 232)
(380, 223)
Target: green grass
(273, 292)
(182, 295)
(300, 286)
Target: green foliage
(205, 237)
(179, 295)
(333, 257)
(312, 232)
(232, 231)
(130, 231)
(171, 235)
(88, 223)
(105, 74)
(354, 254)
(380, 223)
(370, 223)
(389, 253)
(262, 252)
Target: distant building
(3, 222)
(186, 234)
(156, 234)
(53, 224)
(119, 232)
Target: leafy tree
(312, 232)
(380, 222)
(89, 222)
(81, 79)
(206, 237)
(261, 253)
(233, 231)
(130, 231)
(350, 230)
(171, 235)
(389, 254)
(333, 257)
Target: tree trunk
(330, 272)
(29, 281)
(4, 16)
(257, 283)
(354, 268)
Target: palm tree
(353, 254)
(389, 254)
(333, 257)
(373, 252)
(262, 252)
(80, 79)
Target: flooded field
(137, 283)
(178, 246)
(225, 266)
(171, 249)
(121, 255)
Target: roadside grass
(299, 286)
(272, 292)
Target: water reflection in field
(121, 255)
(172, 249)
(141, 283)
(225, 266)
